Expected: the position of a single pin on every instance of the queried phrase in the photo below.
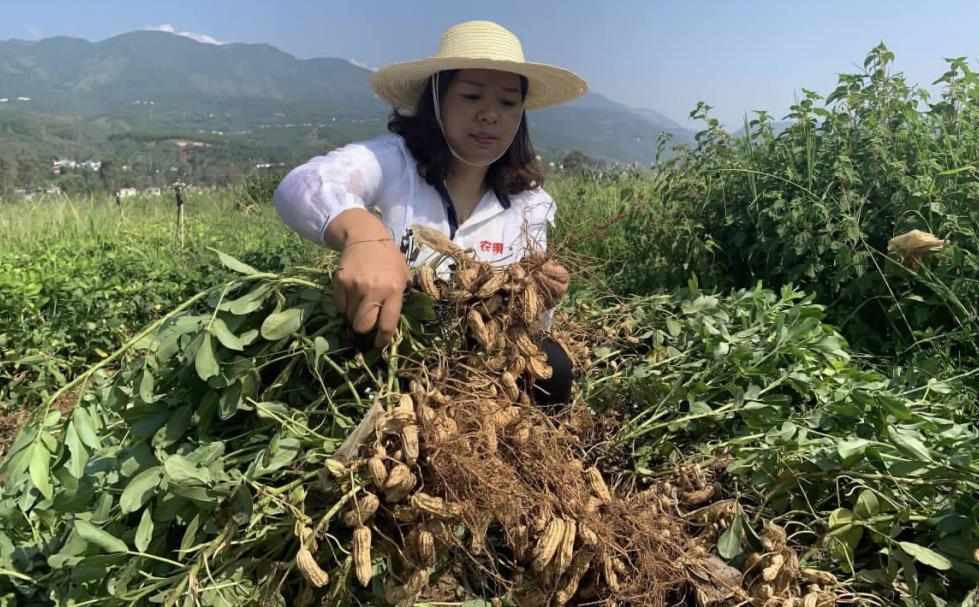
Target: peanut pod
(362, 555)
(310, 569)
(548, 544)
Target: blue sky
(737, 56)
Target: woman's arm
(325, 201)
(372, 275)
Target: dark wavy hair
(515, 172)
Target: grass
(80, 277)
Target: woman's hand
(554, 278)
(372, 276)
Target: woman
(461, 162)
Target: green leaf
(729, 544)
(101, 538)
(419, 306)
(204, 362)
(851, 450)
(40, 470)
(78, 454)
(180, 470)
(229, 401)
(144, 533)
(175, 428)
(282, 324)
(972, 599)
(843, 534)
(85, 428)
(867, 505)
(140, 489)
(280, 454)
(321, 347)
(190, 534)
(248, 337)
(926, 556)
(270, 410)
(249, 302)
(219, 329)
(233, 264)
(146, 386)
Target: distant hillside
(604, 129)
(259, 95)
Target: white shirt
(382, 174)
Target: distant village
(65, 165)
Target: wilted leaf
(909, 443)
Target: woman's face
(481, 111)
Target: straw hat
(478, 45)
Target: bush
(815, 206)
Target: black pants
(557, 388)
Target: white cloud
(166, 27)
(35, 33)
(363, 65)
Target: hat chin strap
(438, 118)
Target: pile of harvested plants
(258, 452)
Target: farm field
(775, 400)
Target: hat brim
(401, 84)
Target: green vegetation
(815, 207)
(741, 305)
(77, 278)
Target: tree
(109, 173)
(8, 177)
(28, 169)
(576, 160)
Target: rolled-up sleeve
(314, 193)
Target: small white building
(127, 192)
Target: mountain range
(159, 81)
